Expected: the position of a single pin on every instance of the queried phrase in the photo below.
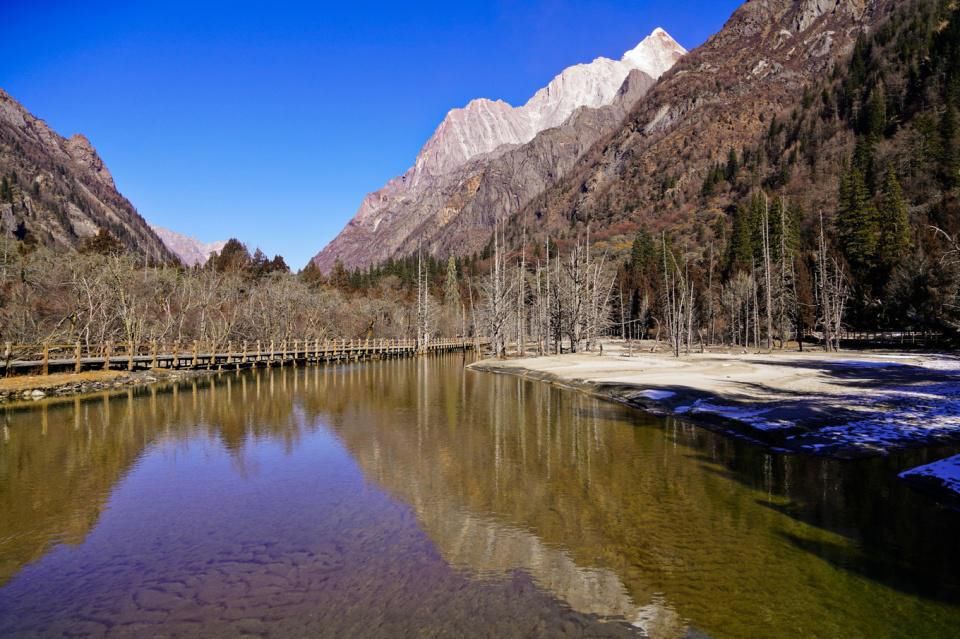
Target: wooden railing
(46, 358)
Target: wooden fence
(47, 358)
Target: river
(415, 498)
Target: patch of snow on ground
(946, 470)
(753, 417)
(656, 395)
(897, 417)
(942, 364)
(864, 363)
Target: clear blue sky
(269, 121)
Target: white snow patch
(864, 363)
(942, 364)
(656, 395)
(946, 470)
(896, 417)
(753, 417)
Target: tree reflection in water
(612, 513)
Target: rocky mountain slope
(191, 251)
(726, 95)
(58, 191)
(489, 158)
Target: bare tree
(767, 269)
(833, 292)
(678, 298)
(498, 297)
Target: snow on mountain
(655, 55)
(191, 251)
(485, 125)
(488, 158)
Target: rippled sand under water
(411, 497)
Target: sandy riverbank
(843, 405)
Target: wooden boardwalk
(46, 359)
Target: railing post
(243, 360)
(153, 354)
(77, 365)
(196, 353)
(7, 356)
(107, 351)
(46, 360)
(272, 354)
(130, 355)
(259, 351)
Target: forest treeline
(884, 129)
(103, 293)
(842, 216)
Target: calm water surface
(412, 497)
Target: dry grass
(21, 383)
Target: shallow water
(412, 497)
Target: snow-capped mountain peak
(486, 125)
(655, 54)
(448, 177)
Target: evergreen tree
(641, 256)
(949, 166)
(733, 167)
(875, 114)
(894, 224)
(259, 263)
(778, 216)
(451, 286)
(857, 224)
(339, 276)
(103, 243)
(278, 265)
(312, 276)
(740, 248)
(233, 258)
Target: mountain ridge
(190, 250)
(59, 190)
(484, 131)
(721, 96)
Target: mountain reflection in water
(411, 496)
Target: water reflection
(404, 497)
(659, 521)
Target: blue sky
(269, 121)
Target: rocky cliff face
(484, 125)
(489, 158)
(191, 251)
(59, 191)
(722, 96)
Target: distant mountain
(59, 191)
(483, 126)
(191, 251)
(490, 158)
(741, 92)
